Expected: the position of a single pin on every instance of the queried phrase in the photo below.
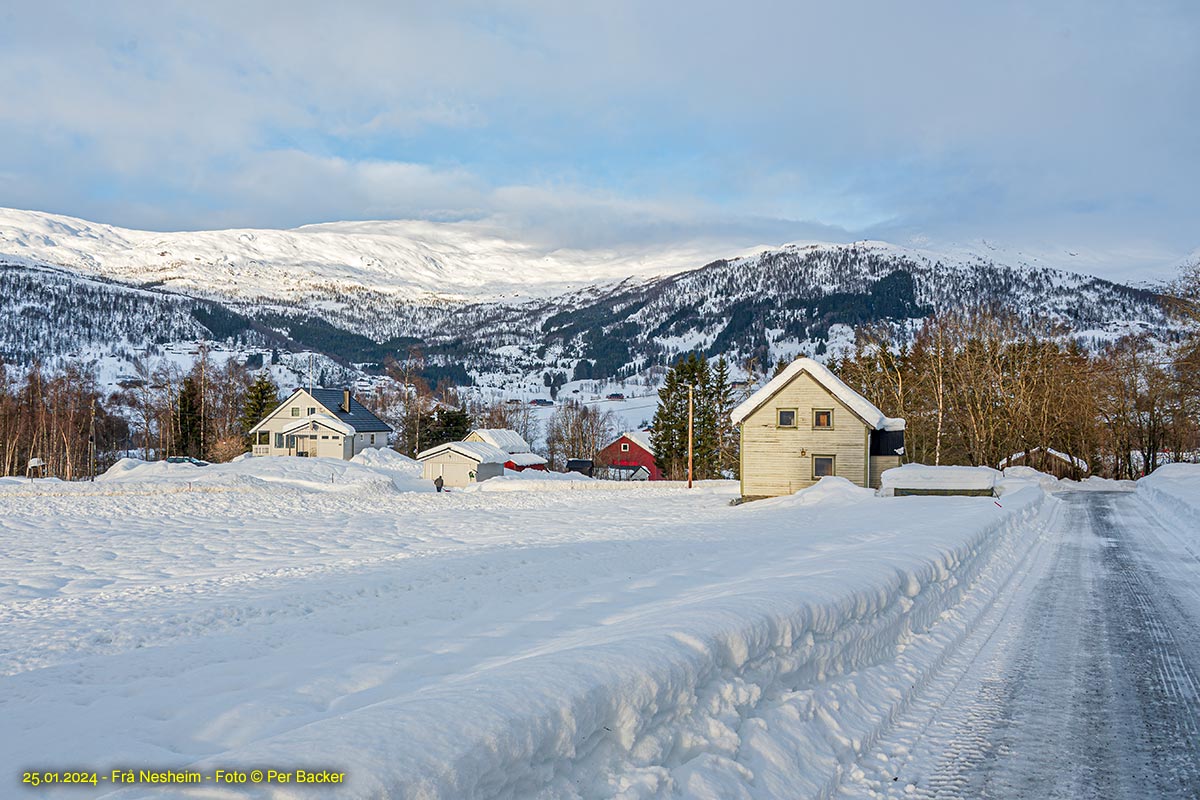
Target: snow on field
(631, 642)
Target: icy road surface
(1083, 686)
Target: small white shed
(462, 463)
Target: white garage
(463, 463)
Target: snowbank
(926, 478)
(762, 690)
(1175, 487)
(1094, 483)
(310, 474)
(829, 491)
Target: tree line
(976, 387)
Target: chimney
(346, 400)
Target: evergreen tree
(187, 420)
(449, 425)
(727, 459)
(262, 397)
(668, 430)
(669, 433)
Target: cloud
(1066, 124)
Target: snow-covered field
(534, 642)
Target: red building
(630, 457)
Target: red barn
(631, 450)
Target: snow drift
(1176, 487)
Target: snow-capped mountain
(491, 310)
(408, 261)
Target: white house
(462, 463)
(320, 422)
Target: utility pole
(310, 373)
(691, 391)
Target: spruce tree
(187, 420)
(722, 399)
(262, 397)
(449, 425)
(668, 433)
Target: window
(822, 466)
(264, 437)
(291, 442)
(279, 441)
(296, 412)
(311, 411)
(822, 418)
(624, 447)
(324, 437)
(785, 418)
(372, 438)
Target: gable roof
(358, 417)
(639, 438)
(861, 406)
(507, 440)
(482, 452)
(331, 422)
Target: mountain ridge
(59, 275)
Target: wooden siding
(878, 465)
(772, 463)
(458, 470)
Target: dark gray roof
(359, 417)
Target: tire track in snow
(1089, 690)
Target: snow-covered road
(1084, 685)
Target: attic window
(785, 418)
(296, 412)
(311, 411)
(624, 447)
(822, 418)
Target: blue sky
(1053, 127)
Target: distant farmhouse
(1052, 462)
(320, 422)
(630, 457)
(521, 456)
(806, 424)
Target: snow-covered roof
(331, 422)
(507, 440)
(860, 405)
(923, 476)
(1079, 463)
(526, 459)
(640, 438)
(482, 452)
